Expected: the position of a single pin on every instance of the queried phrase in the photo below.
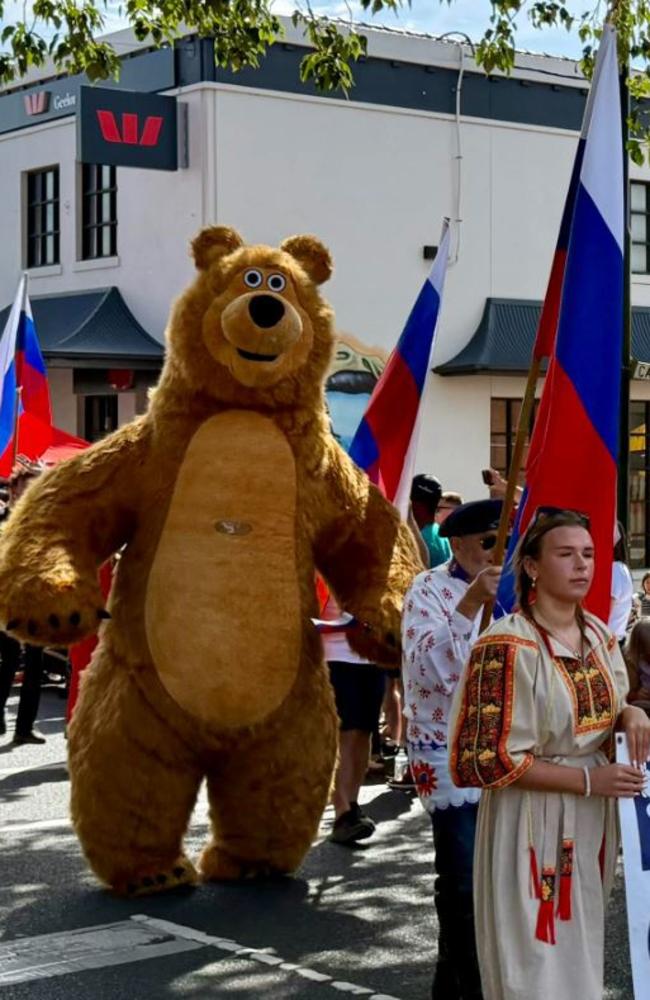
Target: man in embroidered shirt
(442, 612)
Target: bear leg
(134, 783)
(266, 801)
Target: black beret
(426, 489)
(472, 519)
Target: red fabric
(548, 321)
(535, 888)
(569, 465)
(34, 437)
(399, 395)
(545, 930)
(63, 446)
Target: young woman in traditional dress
(532, 723)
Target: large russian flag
(572, 460)
(24, 384)
(385, 443)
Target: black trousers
(457, 974)
(30, 692)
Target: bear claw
(159, 881)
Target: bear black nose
(265, 310)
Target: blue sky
(470, 16)
(433, 16)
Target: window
(99, 211)
(640, 227)
(43, 217)
(504, 420)
(100, 416)
(639, 523)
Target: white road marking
(263, 955)
(26, 959)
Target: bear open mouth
(249, 356)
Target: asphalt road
(355, 922)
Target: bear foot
(158, 879)
(216, 865)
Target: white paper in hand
(635, 832)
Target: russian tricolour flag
(386, 440)
(24, 392)
(573, 454)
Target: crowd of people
(508, 734)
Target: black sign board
(127, 129)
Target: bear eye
(276, 282)
(253, 278)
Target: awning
(503, 341)
(91, 329)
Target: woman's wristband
(587, 791)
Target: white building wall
(158, 213)
(64, 402)
(372, 182)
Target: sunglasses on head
(543, 512)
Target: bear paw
(49, 615)
(158, 879)
(217, 865)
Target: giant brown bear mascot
(225, 497)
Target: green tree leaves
(66, 31)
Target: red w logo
(129, 134)
(36, 104)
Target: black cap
(472, 519)
(426, 489)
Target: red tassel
(545, 930)
(535, 888)
(566, 871)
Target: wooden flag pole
(513, 474)
(19, 390)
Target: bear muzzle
(261, 327)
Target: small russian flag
(385, 443)
(23, 383)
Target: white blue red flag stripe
(573, 454)
(385, 443)
(31, 374)
(8, 368)
(23, 368)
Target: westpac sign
(126, 128)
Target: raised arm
(66, 524)
(367, 555)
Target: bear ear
(313, 257)
(214, 242)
